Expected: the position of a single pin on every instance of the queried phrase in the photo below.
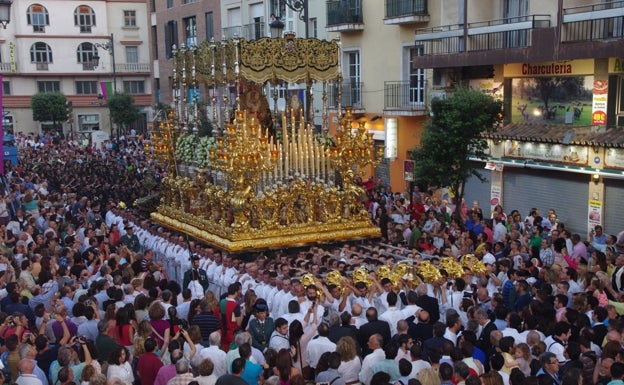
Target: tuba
(361, 275)
(335, 278)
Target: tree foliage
(122, 109)
(49, 107)
(452, 135)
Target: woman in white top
(119, 367)
(350, 364)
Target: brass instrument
(308, 280)
(335, 278)
(473, 263)
(361, 275)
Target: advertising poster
(594, 216)
(599, 103)
(495, 197)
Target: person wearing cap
(262, 326)
(196, 279)
(130, 239)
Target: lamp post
(5, 18)
(109, 46)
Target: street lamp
(300, 6)
(277, 26)
(109, 46)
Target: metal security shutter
(613, 210)
(524, 188)
(477, 191)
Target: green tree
(122, 110)
(49, 107)
(452, 135)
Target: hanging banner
(599, 102)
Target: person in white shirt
(377, 355)
(26, 368)
(311, 299)
(319, 345)
(393, 315)
(279, 338)
(215, 354)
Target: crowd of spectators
(92, 292)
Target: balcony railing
(514, 32)
(400, 8)
(600, 21)
(351, 95)
(5, 67)
(344, 12)
(405, 96)
(248, 31)
(132, 67)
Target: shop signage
(599, 102)
(555, 68)
(616, 65)
(392, 140)
(559, 153)
(614, 158)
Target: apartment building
(380, 81)
(557, 65)
(82, 49)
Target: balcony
(500, 34)
(351, 95)
(132, 68)
(404, 98)
(594, 22)
(406, 12)
(5, 68)
(344, 16)
(248, 31)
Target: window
(130, 19)
(84, 17)
(313, 27)
(171, 37)
(134, 86)
(190, 31)
(353, 96)
(88, 122)
(49, 86)
(132, 54)
(189, 1)
(86, 87)
(209, 26)
(40, 52)
(416, 76)
(169, 3)
(85, 53)
(37, 16)
(6, 87)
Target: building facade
(557, 67)
(70, 47)
(380, 81)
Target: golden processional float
(268, 181)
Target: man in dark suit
(428, 303)
(345, 329)
(437, 341)
(423, 330)
(600, 330)
(487, 328)
(373, 326)
(195, 279)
